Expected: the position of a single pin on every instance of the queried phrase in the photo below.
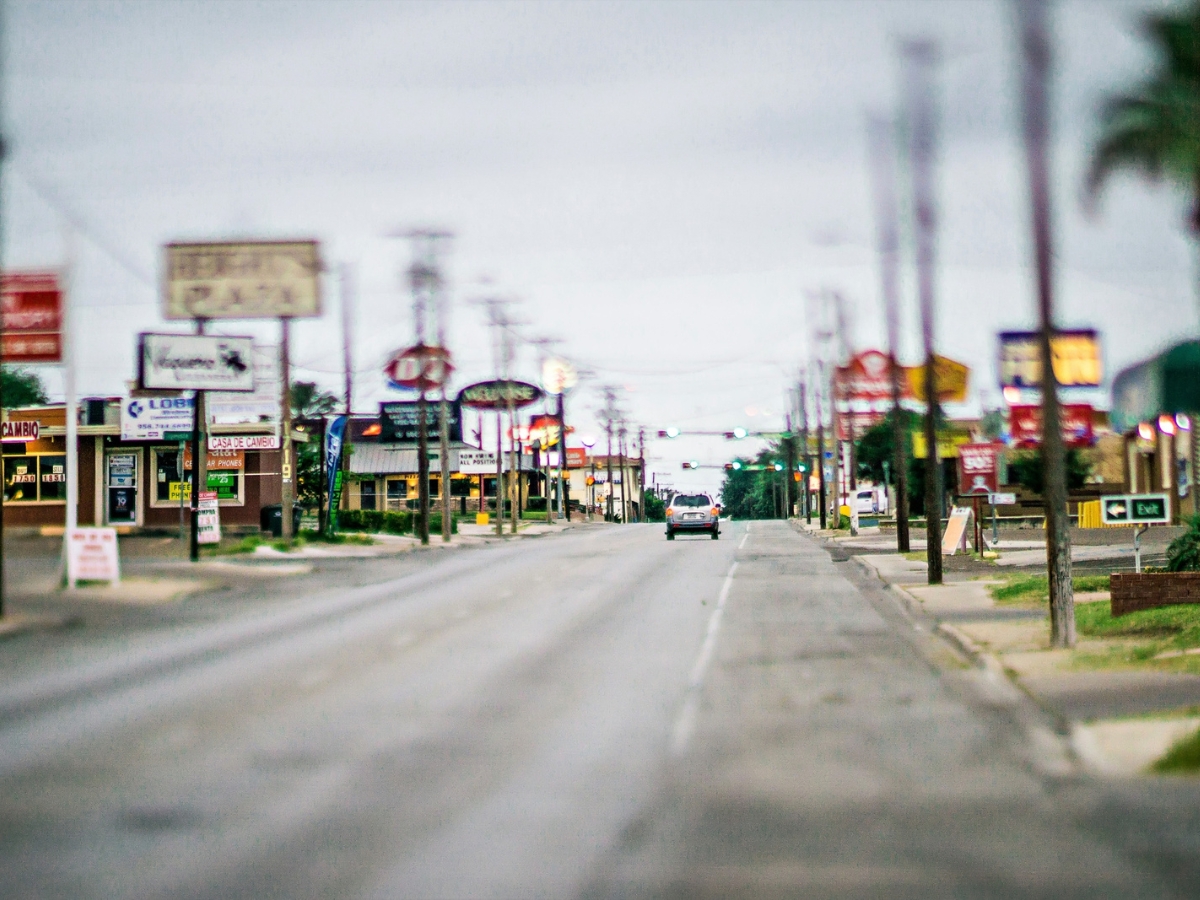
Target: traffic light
(669, 433)
(691, 464)
(590, 481)
(778, 467)
(736, 464)
(729, 467)
(739, 433)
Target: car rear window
(691, 500)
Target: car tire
(670, 535)
(716, 534)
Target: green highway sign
(1135, 509)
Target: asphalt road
(599, 713)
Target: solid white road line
(745, 537)
(686, 723)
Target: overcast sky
(659, 185)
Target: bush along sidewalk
(377, 521)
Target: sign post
(246, 280)
(1136, 509)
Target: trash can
(271, 519)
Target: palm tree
(1156, 129)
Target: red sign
(1025, 425)
(421, 368)
(20, 432)
(867, 377)
(32, 317)
(863, 422)
(576, 458)
(978, 468)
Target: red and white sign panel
(863, 422)
(978, 468)
(1025, 425)
(867, 377)
(577, 458)
(92, 555)
(227, 442)
(32, 317)
(20, 432)
(421, 368)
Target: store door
(121, 472)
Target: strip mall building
(134, 485)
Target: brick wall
(1133, 592)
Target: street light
(589, 442)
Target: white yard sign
(208, 518)
(92, 555)
(476, 462)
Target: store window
(225, 477)
(34, 478)
(397, 493)
(366, 495)
(20, 479)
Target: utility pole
(348, 385)
(609, 414)
(641, 474)
(920, 58)
(847, 351)
(803, 388)
(425, 282)
(883, 166)
(199, 461)
(1035, 45)
(502, 350)
(823, 502)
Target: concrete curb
(14, 625)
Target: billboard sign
(153, 418)
(978, 469)
(861, 421)
(258, 407)
(867, 377)
(195, 362)
(1025, 425)
(1135, 509)
(953, 379)
(499, 394)
(398, 421)
(1075, 356)
(242, 280)
(558, 375)
(31, 304)
(477, 462)
(420, 368)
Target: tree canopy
(1155, 128)
(19, 387)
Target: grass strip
(1036, 588)
(1184, 756)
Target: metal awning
(1166, 383)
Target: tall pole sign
(245, 280)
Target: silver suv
(693, 512)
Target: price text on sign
(1135, 509)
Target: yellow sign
(952, 380)
(1075, 356)
(947, 445)
(180, 490)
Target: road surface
(599, 713)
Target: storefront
(133, 485)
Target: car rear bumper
(692, 526)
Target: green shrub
(656, 510)
(398, 522)
(349, 520)
(1183, 553)
(536, 504)
(435, 523)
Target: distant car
(869, 502)
(693, 512)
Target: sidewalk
(1120, 719)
